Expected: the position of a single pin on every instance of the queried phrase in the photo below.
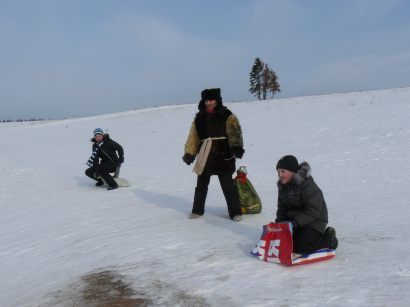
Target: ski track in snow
(57, 227)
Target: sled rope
(117, 170)
(203, 155)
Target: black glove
(121, 160)
(237, 151)
(187, 158)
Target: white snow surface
(56, 226)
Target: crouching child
(301, 202)
(104, 149)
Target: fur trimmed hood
(105, 137)
(298, 178)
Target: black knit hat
(289, 163)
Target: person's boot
(237, 218)
(99, 183)
(194, 216)
(331, 233)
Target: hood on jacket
(105, 137)
(211, 94)
(303, 172)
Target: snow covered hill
(57, 228)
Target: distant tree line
(263, 80)
(21, 120)
(24, 120)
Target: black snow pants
(229, 190)
(104, 171)
(308, 240)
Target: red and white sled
(276, 245)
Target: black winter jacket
(110, 147)
(301, 202)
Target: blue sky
(79, 58)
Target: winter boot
(99, 183)
(237, 218)
(194, 216)
(331, 233)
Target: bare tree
(269, 81)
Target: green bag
(248, 198)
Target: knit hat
(98, 131)
(289, 163)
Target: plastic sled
(276, 245)
(322, 254)
(120, 181)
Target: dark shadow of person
(165, 200)
(181, 204)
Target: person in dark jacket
(215, 120)
(301, 202)
(105, 149)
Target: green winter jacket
(301, 202)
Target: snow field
(56, 226)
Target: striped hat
(98, 131)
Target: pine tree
(255, 78)
(263, 80)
